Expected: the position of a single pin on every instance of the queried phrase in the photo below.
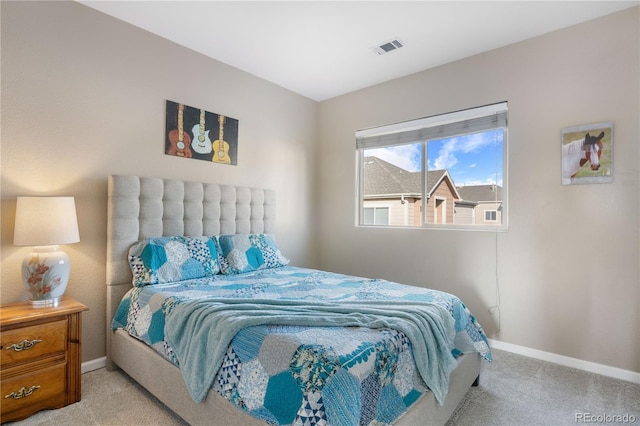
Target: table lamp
(45, 222)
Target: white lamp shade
(45, 221)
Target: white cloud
(446, 157)
(475, 141)
(446, 154)
(489, 180)
(404, 156)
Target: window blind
(435, 127)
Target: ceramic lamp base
(45, 274)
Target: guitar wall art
(203, 135)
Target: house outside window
(376, 216)
(487, 199)
(442, 171)
(490, 215)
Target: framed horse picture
(587, 154)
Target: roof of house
(481, 193)
(384, 178)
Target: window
(376, 216)
(447, 170)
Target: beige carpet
(517, 390)
(514, 390)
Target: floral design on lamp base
(45, 274)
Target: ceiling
(323, 49)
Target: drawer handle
(24, 345)
(22, 393)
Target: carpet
(514, 390)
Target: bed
(293, 345)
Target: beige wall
(568, 265)
(83, 96)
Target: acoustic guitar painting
(220, 146)
(201, 143)
(189, 134)
(178, 139)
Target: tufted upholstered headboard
(142, 207)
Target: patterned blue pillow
(168, 259)
(248, 252)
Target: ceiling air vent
(388, 47)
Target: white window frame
(459, 123)
(443, 208)
(374, 207)
(494, 213)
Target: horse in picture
(577, 153)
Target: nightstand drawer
(32, 342)
(40, 354)
(29, 393)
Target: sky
(470, 159)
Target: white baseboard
(94, 364)
(592, 367)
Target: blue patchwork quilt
(299, 346)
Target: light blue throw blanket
(200, 332)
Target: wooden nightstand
(40, 357)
